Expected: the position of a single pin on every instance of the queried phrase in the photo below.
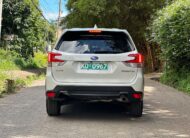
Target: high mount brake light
(52, 57)
(95, 31)
(138, 58)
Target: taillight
(138, 58)
(52, 57)
(137, 62)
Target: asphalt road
(166, 114)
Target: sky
(50, 8)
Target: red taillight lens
(138, 58)
(137, 95)
(52, 57)
(50, 94)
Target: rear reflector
(138, 58)
(95, 31)
(137, 95)
(52, 57)
(50, 94)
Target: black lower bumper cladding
(94, 91)
(95, 88)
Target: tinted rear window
(86, 43)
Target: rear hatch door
(94, 58)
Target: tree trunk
(149, 58)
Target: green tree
(22, 20)
(171, 30)
(133, 15)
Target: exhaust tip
(123, 98)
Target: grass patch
(10, 60)
(3, 78)
(28, 81)
(178, 79)
(38, 61)
(17, 83)
(7, 60)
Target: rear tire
(52, 107)
(136, 109)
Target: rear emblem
(94, 58)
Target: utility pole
(1, 7)
(59, 17)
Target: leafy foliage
(12, 61)
(3, 78)
(131, 15)
(7, 60)
(24, 34)
(29, 30)
(178, 79)
(171, 29)
(38, 61)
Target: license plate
(94, 66)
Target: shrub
(177, 79)
(7, 60)
(38, 61)
(10, 60)
(3, 78)
(171, 29)
(20, 62)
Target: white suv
(95, 64)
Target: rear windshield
(86, 43)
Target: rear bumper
(95, 92)
(137, 84)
